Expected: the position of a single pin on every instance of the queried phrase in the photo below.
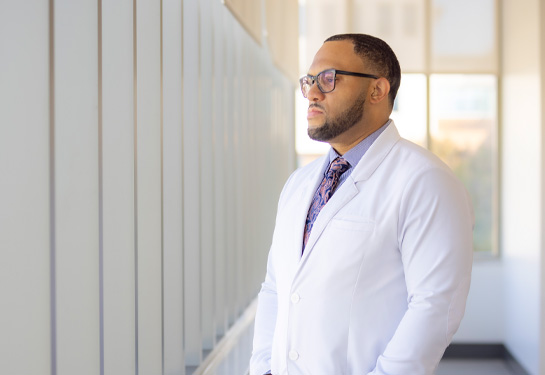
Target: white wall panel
(239, 181)
(76, 181)
(220, 214)
(24, 188)
(118, 187)
(261, 177)
(206, 176)
(251, 196)
(191, 190)
(251, 167)
(173, 273)
(149, 187)
(521, 182)
(244, 182)
(230, 170)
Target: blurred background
(144, 143)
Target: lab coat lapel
(376, 153)
(339, 199)
(306, 194)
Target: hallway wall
(143, 146)
(523, 195)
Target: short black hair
(378, 54)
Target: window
(463, 123)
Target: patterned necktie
(324, 192)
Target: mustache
(315, 105)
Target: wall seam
(52, 213)
(184, 355)
(135, 189)
(541, 39)
(100, 191)
(199, 170)
(162, 199)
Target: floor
(473, 367)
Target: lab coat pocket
(349, 223)
(340, 249)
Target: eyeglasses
(326, 80)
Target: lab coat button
(295, 298)
(294, 355)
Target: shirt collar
(354, 155)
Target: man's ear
(380, 90)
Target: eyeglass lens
(325, 81)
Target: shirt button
(293, 355)
(295, 298)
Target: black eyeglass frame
(335, 71)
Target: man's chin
(317, 134)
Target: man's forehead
(336, 55)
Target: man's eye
(329, 79)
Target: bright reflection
(409, 112)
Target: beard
(333, 127)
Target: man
(370, 262)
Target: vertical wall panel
(207, 176)
(242, 160)
(252, 150)
(191, 189)
(251, 167)
(173, 274)
(148, 132)
(243, 157)
(24, 186)
(287, 138)
(118, 187)
(230, 170)
(76, 180)
(219, 170)
(238, 185)
(261, 180)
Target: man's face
(332, 127)
(333, 114)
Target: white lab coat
(382, 284)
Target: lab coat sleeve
(435, 228)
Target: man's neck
(346, 141)
(354, 155)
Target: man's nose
(314, 93)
